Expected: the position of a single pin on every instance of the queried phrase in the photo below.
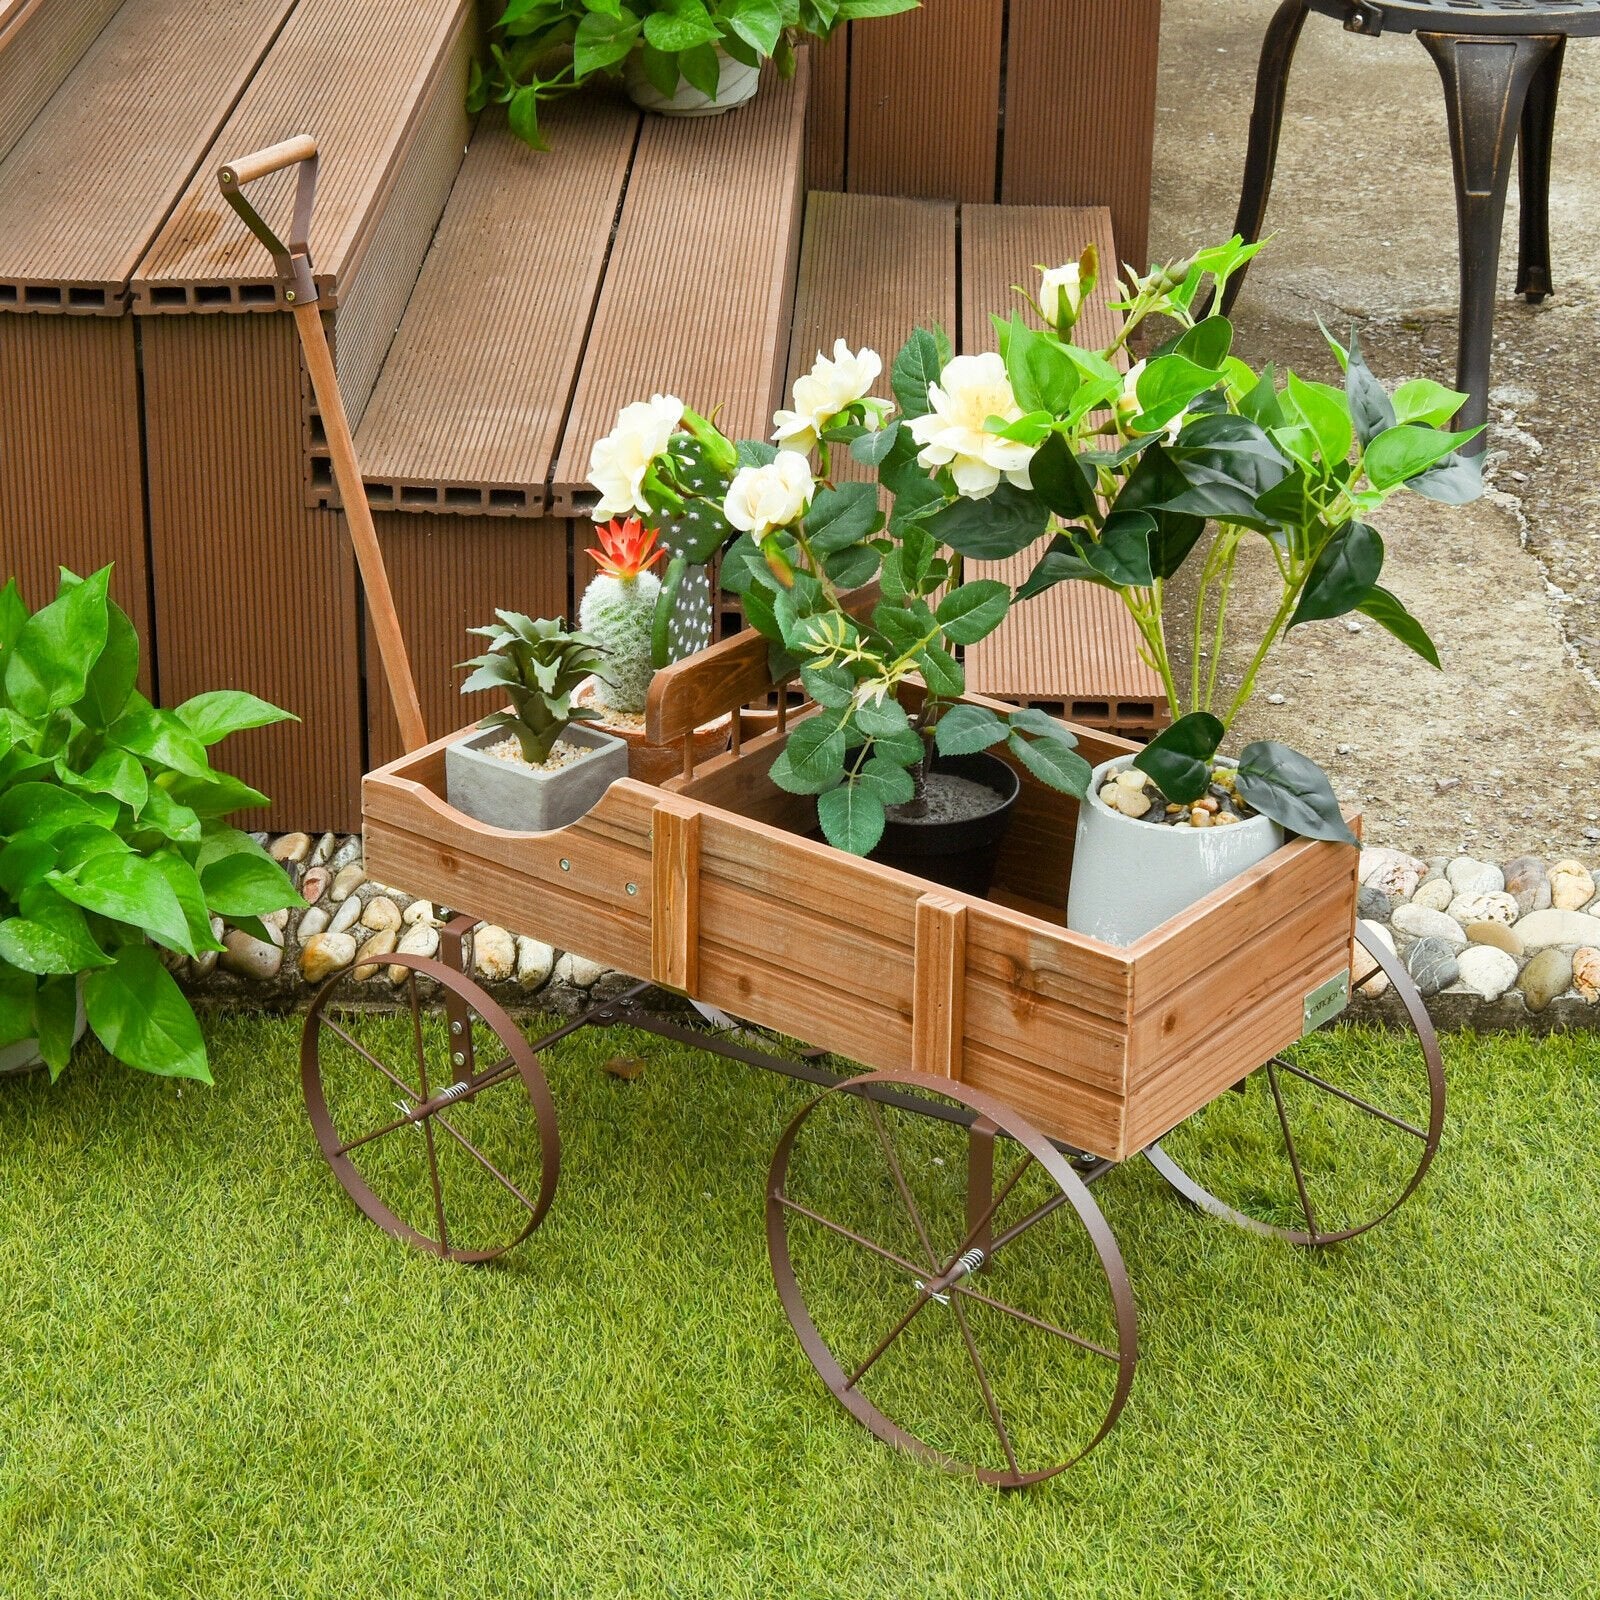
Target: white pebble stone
(579, 970)
(1486, 971)
(313, 922)
(1541, 929)
(346, 917)
(1571, 885)
(420, 939)
(494, 953)
(1131, 778)
(418, 911)
(1364, 963)
(1421, 923)
(1435, 895)
(349, 880)
(381, 912)
(1468, 876)
(1470, 908)
(535, 962)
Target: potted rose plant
(113, 839)
(531, 768)
(683, 58)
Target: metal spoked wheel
(1323, 1142)
(405, 1108)
(949, 1275)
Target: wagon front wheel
(423, 1113)
(950, 1277)
(1326, 1139)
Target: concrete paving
(1499, 754)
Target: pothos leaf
(1179, 758)
(1293, 790)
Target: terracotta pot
(654, 763)
(735, 87)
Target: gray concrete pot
(1130, 876)
(23, 1056)
(505, 794)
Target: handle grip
(292, 260)
(275, 157)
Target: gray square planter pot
(507, 795)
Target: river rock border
(1490, 945)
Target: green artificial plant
(536, 664)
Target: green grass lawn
(218, 1380)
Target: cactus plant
(538, 665)
(619, 611)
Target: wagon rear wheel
(423, 1114)
(950, 1277)
(1325, 1141)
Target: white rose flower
(618, 463)
(1061, 295)
(970, 391)
(762, 499)
(831, 386)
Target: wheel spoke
(987, 1216)
(983, 1299)
(1038, 1214)
(983, 1384)
(427, 1125)
(366, 1055)
(900, 1183)
(482, 1160)
(845, 1233)
(923, 1297)
(1352, 1099)
(1288, 1145)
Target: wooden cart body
(711, 887)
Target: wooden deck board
(354, 74)
(40, 43)
(469, 409)
(698, 294)
(1072, 649)
(83, 194)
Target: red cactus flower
(626, 548)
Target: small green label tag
(1326, 1001)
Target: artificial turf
(217, 1380)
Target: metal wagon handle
(298, 282)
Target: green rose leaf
(920, 361)
(843, 516)
(832, 687)
(1007, 521)
(1052, 762)
(1179, 758)
(139, 1014)
(873, 449)
(1061, 483)
(1456, 481)
(965, 730)
(1342, 575)
(882, 719)
(974, 611)
(941, 672)
(887, 779)
(1293, 790)
(816, 750)
(852, 818)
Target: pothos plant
(1132, 475)
(540, 50)
(112, 835)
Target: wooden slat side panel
(1086, 1118)
(925, 102)
(1248, 1006)
(40, 43)
(698, 295)
(475, 391)
(450, 574)
(253, 590)
(385, 270)
(675, 896)
(827, 112)
(1073, 650)
(357, 75)
(71, 491)
(938, 1005)
(84, 190)
(1080, 109)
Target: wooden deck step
(640, 256)
(89, 182)
(41, 41)
(871, 270)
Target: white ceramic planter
(1130, 876)
(23, 1056)
(737, 85)
(506, 794)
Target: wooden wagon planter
(983, 1019)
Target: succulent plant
(538, 665)
(619, 610)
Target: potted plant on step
(631, 619)
(532, 768)
(680, 58)
(113, 843)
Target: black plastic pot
(960, 855)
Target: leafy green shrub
(111, 835)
